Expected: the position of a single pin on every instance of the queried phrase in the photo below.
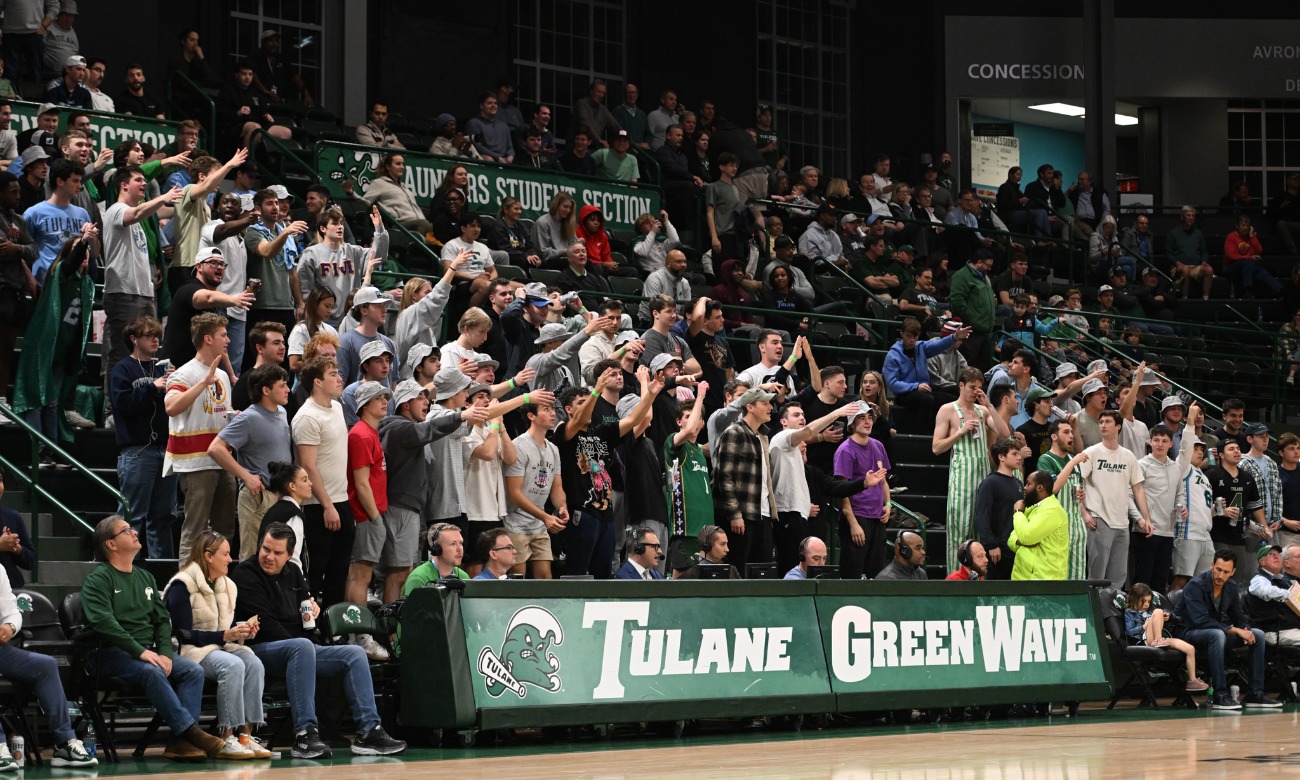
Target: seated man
(497, 553)
(714, 548)
(909, 559)
(274, 592)
(40, 673)
(1268, 591)
(446, 551)
(1215, 622)
(812, 552)
(644, 552)
(974, 562)
(125, 605)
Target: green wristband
(512, 384)
(595, 393)
(526, 399)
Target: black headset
(963, 554)
(900, 543)
(706, 537)
(435, 548)
(638, 537)
(803, 549)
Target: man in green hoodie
(124, 605)
(973, 303)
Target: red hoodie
(597, 242)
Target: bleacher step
(65, 572)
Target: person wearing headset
(812, 552)
(446, 550)
(909, 558)
(974, 562)
(644, 552)
(714, 548)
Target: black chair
(1148, 666)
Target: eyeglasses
(650, 544)
(215, 263)
(124, 530)
(502, 549)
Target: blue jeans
(1216, 643)
(240, 679)
(300, 662)
(41, 674)
(236, 330)
(151, 496)
(177, 696)
(1245, 274)
(588, 545)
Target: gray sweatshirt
(338, 270)
(404, 443)
(552, 367)
(421, 322)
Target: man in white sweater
(1162, 479)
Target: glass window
(1261, 144)
(802, 48)
(299, 25)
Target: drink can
(1220, 507)
(308, 622)
(18, 747)
(1235, 692)
(255, 285)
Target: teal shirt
(609, 166)
(127, 610)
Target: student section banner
(107, 130)
(489, 184)
(523, 653)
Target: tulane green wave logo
(525, 657)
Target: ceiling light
(1121, 119)
(1059, 108)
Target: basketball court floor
(1127, 743)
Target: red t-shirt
(364, 450)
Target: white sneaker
(374, 651)
(110, 422)
(234, 750)
(5, 420)
(77, 421)
(7, 762)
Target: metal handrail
(198, 91)
(31, 478)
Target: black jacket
(672, 164)
(274, 600)
(1196, 607)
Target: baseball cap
(537, 295)
(827, 208)
(34, 154)
(75, 59)
(1055, 300)
(449, 381)
(625, 337)
(374, 349)
(415, 356)
(207, 252)
(1254, 429)
(406, 390)
(1266, 549)
(1105, 288)
(873, 219)
(863, 408)
(552, 331)
(1066, 369)
(269, 33)
(369, 294)
(662, 361)
(476, 388)
(621, 135)
(784, 240)
(754, 395)
(626, 404)
(369, 391)
(47, 108)
(281, 191)
(1170, 402)
(441, 121)
(849, 219)
(1038, 393)
(1092, 386)
(1119, 270)
(905, 248)
(950, 327)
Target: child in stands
(1145, 625)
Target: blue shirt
(484, 575)
(796, 573)
(50, 226)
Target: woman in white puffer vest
(201, 601)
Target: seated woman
(510, 235)
(387, 192)
(201, 601)
(554, 231)
(795, 314)
(449, 200)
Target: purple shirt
(853, 461)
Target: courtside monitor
(823, 572)
(760, 571)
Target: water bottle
(1209, 456)
(89, 741)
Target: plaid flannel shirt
(739, 477)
